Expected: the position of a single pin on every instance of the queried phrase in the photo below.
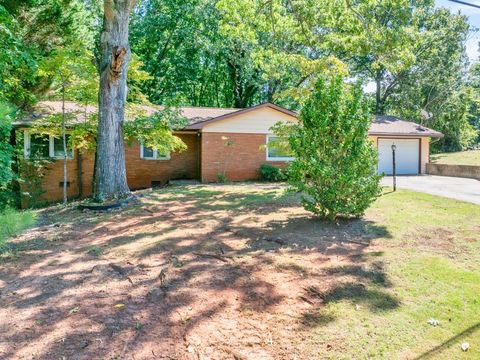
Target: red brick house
(219, 140)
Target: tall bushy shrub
(335, 162)
(6, 155)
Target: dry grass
(243, 272)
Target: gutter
(435, 135)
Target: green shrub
(95, 250)
(6, 156)
(335, 162)
(32, 171)
(12, 222)
(271, 173)
(221, 178)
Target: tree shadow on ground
(454, 340)
(182, 266)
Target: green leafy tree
(270, 52)
(454, 122)
(30, 32)
(6, 155)
(17, 62)
(414, 53)
(136, 78)
(222, 53)
(183, 49)
(435, 90)
(377, 38)
(155, 131)
(474, 105)
(335, 162)
(73, 76)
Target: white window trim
(51, 148)
(285, 158)
(155, 155)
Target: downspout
(199, 156)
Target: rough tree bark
(110, 174)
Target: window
(58, 148)
(278, 150)
(150, 154)
(44, 146)
(39, 146)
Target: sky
(474, 19)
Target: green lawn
(12, 222)
(471, 157)
(432, 261)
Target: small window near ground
(150, 154)
(39, 146)
(278, 150)
(58, 148)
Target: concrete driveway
(451, 187)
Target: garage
(412, 142)
(407, 156)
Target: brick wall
(53, 176)
(464, 171)
(241, 161)
(184, 165)
(140, 172)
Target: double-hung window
(278, 149)
(151, 154)
(57, 145)
(37, 146)
(45, 146)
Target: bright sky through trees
(474, 20)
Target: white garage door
(406, 156)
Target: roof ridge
(205, 107)
(172, 106)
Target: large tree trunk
(110, 174)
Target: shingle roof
(392, 125)
(200, 114)
(197, 117)
(44, 108)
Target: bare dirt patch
(203, 272)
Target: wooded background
(240, 53)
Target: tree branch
(109, 9)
